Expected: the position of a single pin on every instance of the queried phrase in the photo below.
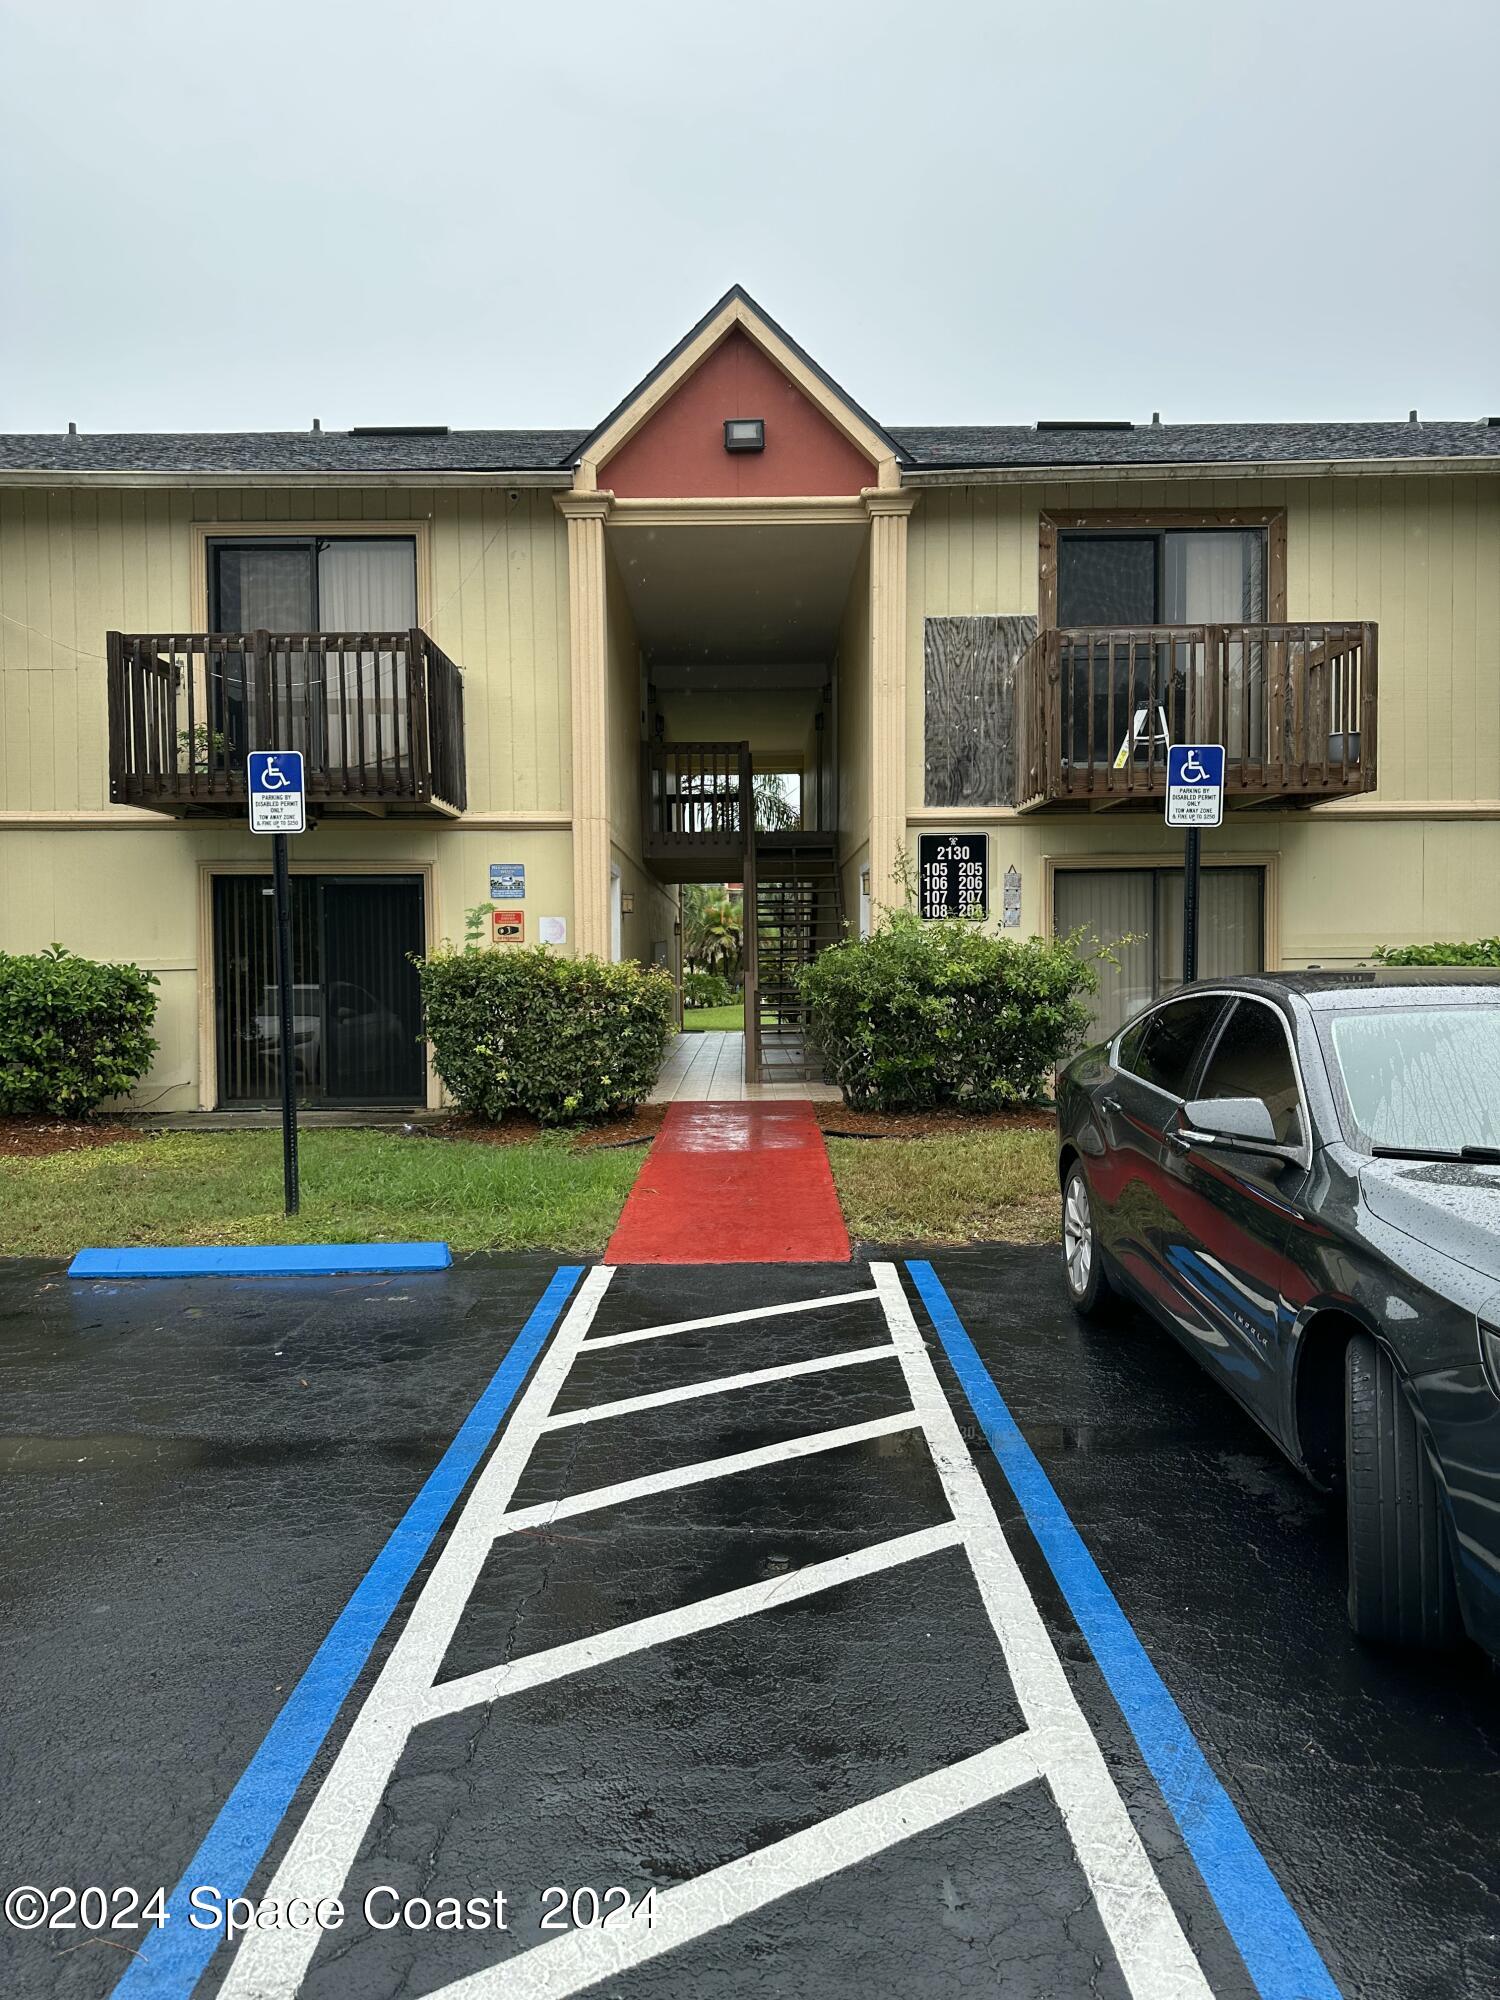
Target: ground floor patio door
(356, 1011)
(1144, 905)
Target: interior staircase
(798, 913)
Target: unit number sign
(954, 871)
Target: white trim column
(889, 511)
(585, 514)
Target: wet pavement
(782, 1649)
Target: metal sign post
(278, 806)
(1195, 799)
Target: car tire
(1089, 1289)
(1401, 1588)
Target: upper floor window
(354, 583)
(1168, 576)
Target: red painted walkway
(734, 1184)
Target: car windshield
(1427, 1078)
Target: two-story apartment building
(569, 656)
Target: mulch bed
(637, 1128)
(35, 1138)
(839, 1122)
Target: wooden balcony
(1293, 705)
(378, 717)
(694, 798)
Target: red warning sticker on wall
(508, 926)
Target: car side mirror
(1229, 1121)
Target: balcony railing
(694, 797)
(378, 717)
(1293, 705)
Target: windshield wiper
(1485, 1155)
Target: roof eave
(1292, 468)
(548, 479)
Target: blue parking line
(305, 1260)
(172, 1958)
(1280, 1957)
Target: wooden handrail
(378, 716)
(1293, 705)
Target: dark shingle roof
(936, 446)
(924, 447)
(294, 451)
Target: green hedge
(706, 989)
(1483, 951)
(559, 1039)
(72, 1032)
(921, 1015)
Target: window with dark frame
(313, 583)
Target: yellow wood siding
(1419, 556)
(75, 564)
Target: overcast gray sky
(243, 216)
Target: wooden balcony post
(1368, 707)
(419, 740)
(260, 703)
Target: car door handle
(1111, 1104)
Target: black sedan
(1299, 1176)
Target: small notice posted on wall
(554, 930)
(508, 926)
(1010, 900)
(507, 880)
(954, 875)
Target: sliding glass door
(341, 585)
(1111, 581)
(1144, 906)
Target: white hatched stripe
(623, 1406)
(581, 1959)
(547, 1511)
(725, 1319)
(1155, 1957)
(770, 1594)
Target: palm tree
(712, 928)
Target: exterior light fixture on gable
(744, 433)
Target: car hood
(1451, 1205)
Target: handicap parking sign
(1195, 784)
(278, 802)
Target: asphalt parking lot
(742, 1611)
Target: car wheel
(1401, 1588)
(1083, 1264)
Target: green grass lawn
(360, 1187)
(980, 1187)
(697, 1019)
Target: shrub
(72, 1031)
(1483, 951)
(918, 1015)
(706, 989)
(558, 1039)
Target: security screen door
(1145, 905)
(356, 1015)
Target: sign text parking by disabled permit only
(1195, 784)
(278, 798)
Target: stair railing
(749, 958)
